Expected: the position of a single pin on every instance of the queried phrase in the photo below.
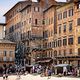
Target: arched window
(55, 53)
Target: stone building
(62, 39)
(48, 30)
(24, 26)
(68, 38)
(13, 28)
(32, 31)
(2, 30)
(7, 53)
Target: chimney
(46, 3)
(67, 0)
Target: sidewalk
(37, 77)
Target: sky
(5, 5)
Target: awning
(62, 65)
(27, 65)
(44, 61)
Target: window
(49, 21)
(78, 51)
(51, 54)
(55, 53)
(4, 59)
(59, 52)
(45, 34)
(64, 30)
(64, 42)
(64, 52)
(36, 21)
(59, 16)
(70, 12)
(78, 40)
(70, 26)
(65, 14)
(50, 44)
(54, 43)
(29, 20)
(10, 53)
(60, 61)
(59, 29)
(52, 20)
(29, 34)
(10, 58)
(29, 10)
(59, 43)
(36, 9)
(43, 21)
(48, 33)
(78, 21)
(78, 5)
(70, 40)
(51, 32)
(5, 53)
(70, 51)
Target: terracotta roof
(14, 6)
(6, 41)
(54, 4)
(25, 7)
(2, 24)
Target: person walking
(3, 76)
(6, 76)
(49, 73)
(78, 72)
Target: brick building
(24, 26)
(32, 30)
(62, 39)
(48, 30)
(7, 53)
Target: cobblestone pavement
(37, 77)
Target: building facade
(2, 30)
(49, 28)
(13, 28)
(67, 34)
(62, 39)
(25, 28)
(32, 31)
(46, 29)
(7, 53)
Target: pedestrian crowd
(43, 71)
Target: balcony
(37, 49)
(68, 56)
(44, 60)
(27, 50)
(36, 37)
(24, 37)
(5, 59)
